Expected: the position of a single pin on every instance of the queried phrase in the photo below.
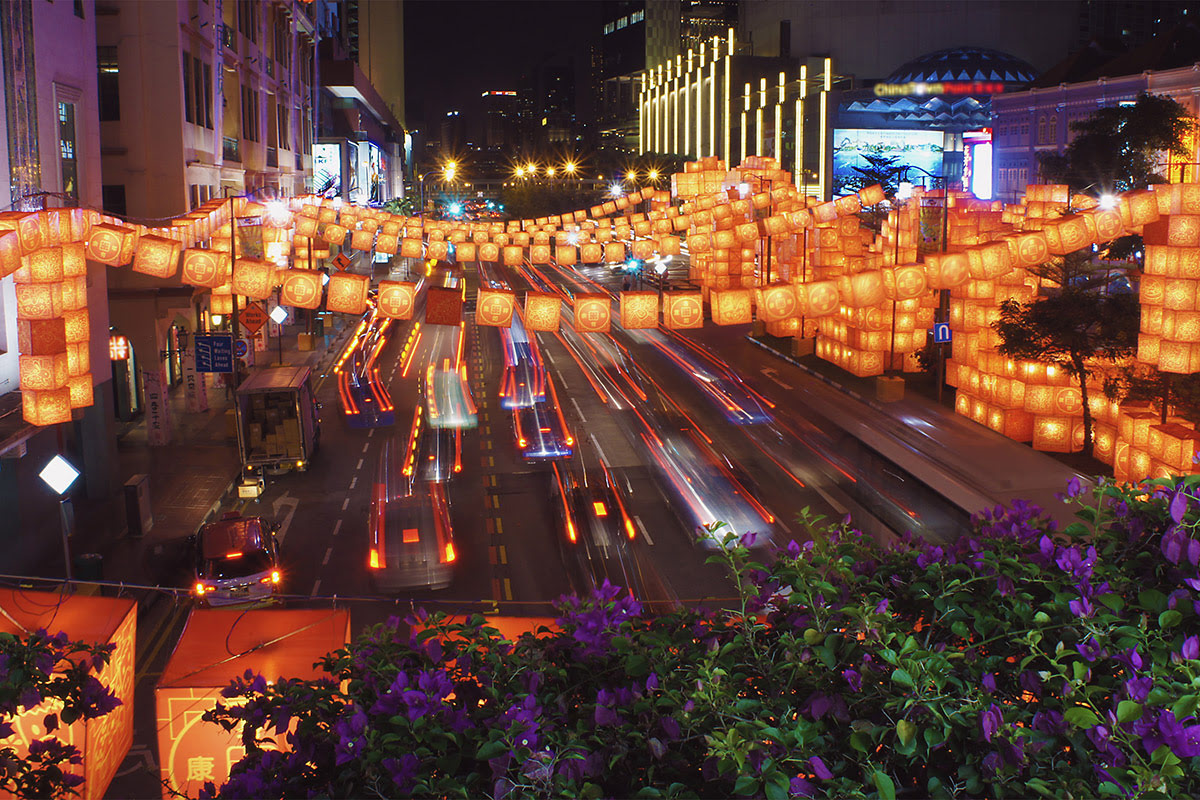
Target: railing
(272, 156)
(230, 148)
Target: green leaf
(902, 677)
(491, 750)
(1153, 599)
(1110, 788)
(1185, 706)
(1169, 619)
(1113, 601)
(1128, 711)
(884, 785)
(1041, 618)
(813, 636)
(1039, 786)
(777, 786)
(637, 666)
(1081, 717)
(746, 785)
(860, 742)
(906, 730)
(648, 791)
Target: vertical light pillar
(675, 103)
(745, 113)
(822, 179)
(779, 121)
(801, 180)
(712, 103)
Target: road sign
(253, 317)
(341, 262)
(214, 352)
(941, 333)
(240, 348)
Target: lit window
(636, 17)
(623, 22)
(609, 28)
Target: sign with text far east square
(443, 306)
(593, 313)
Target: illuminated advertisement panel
(851, 146)
(977, 163)
(327, 169)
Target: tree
(1014, 662)
(1118, 148)
(401, 205)
(1071, 327)
(40, 667)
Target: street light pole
(233, 317)
(943, 294)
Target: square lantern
(411, 248)
(387, 243)
(465, 251)
(639, 310)
(614, 252)
(543, 311)
(74, 256)
(334, 234)
(699, 243)
(40, 337)
(43, 373)
(79, 359)
(347, 293)
(669, 245)
(80, 389)
(566, 255)
(1030, 249)
(494, 308)
(300, 288)
(591, 253)
(111, 244)
(866, 289)
(39, 300)
(539, 254)
(396, 299)
(306, 226)
(206, 268)
(779, 303)
(362, 240)
(254, 279)
(443, 306)
(904, 282)
(157, 256)
(10, 253)
(33, 230)
(593, 313)
(731, 306)
(643, 249)
(872, 195)
(77, 325)
(489, 251)
(46, 407)
(514, 255)
(437, 249)
(819, 298)
(41, 266)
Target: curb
(875, 404)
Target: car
(595, 529)
(236, 560)
(411, 534)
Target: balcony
(231, 149)
(272, 156)
(229, 37)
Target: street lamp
(944, 294)
(448, 169)
(569, 168)
(549, 172)
(59, 474)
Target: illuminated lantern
(79, 388)
(489, 251)
(347, 293)
(639, 310)
(10, 253)
(1179, 294)
(502, 239)
(825, 212)
(46, 407)
(906, 282)
(614, 252)
(301, 288)
(521, 239)
(566, 255)
(411, 248)
(1030, 249)
(387, 243)
(1052, 434)
(872, 195)
(39, 300)
(306, 226)
(591, 253)
(443, 306)
(494, 308)
(989, 261)
(74, 255)
(33, 230)
(362, 240)
(683, 310)
(542, 311)
(252, 278)
(731, 306)
(820, 298)
(1143, 207)
(866, 289)
(41, 266)
(437, 249)
(79, 360)
(334, 234)
(947, 270)
(699, 243)
(157, 256)
(204, 267)
(539, 254)
(514, 255)
(669, 245)
(41, 337)
(1182, 358)
(42, 373)
(396, 299)
(593, 313)
(778, 303)
(77, 325)
(111, 244)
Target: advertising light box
(851, 146)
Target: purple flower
(1178, 506)
(991, 721)
(853, 678)
(989, 683)
(1004, 585)
(748, 539)
(1050, 722)
(1081, 608)
(402, 770)
(793, 549)
(1191, 648)
(1138, 689)
(819, 768)
(1131, 659)
(882, 606)
(1074, 487)
(799, 787)
(1090, 649)
(652, 682)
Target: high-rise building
(499, 118)
(50, 157)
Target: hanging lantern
(32, 229)
(820, 298)
(543, 311)
(1143, 207)
(731, 306)
(489, 251)
(411, 248)
(437, 249)
(79, 388)
(387, 243)
(39, 300)
(905, 282)
(10, 253)
(566, 255)
(77, 325)
(1030, 249)
(46, 407)
(299, 288)
(443, 306)
(111, 244)
(306, 226)
(669, 245)
(699, 243)
(157, 256)
(41, 266)
(206, 268)
(254, 279)
(74, 259)
(778, 303)
(494, 308)
(866, 289)
(514, 255)
(396, 299)
(42, 373)
(41, 337)
(614, 252)
(79, 358)
(870, 196)
(539, 254)
(591, 253)
(347, 293)
(639, 310)
(593, 313)
(362, 240)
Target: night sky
(456, 49)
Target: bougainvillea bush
(1018, 661)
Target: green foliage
(1017, 662)
(1117, 148)
(530, 199)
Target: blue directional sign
(240, 348)
(941, 333)
(214, 352)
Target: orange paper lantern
(443, 306)
(683, 310)
(411, 248)
(494, 308)
(252, 278)
(39, 300)
(437, 249)
(347, 293)
(593, 313)
(614, 252)
(396, 299)
(46, 407)
(334, 234)
(731, 306)
(207, 268)
(301, 288)
(43, 373)
(41, 337)
(591, 253)
(566, 255)
(639, 310)
(80, 389)
(464, 251)
(157, 256)
(77, 325)
(387, 243)
(111, 244)
(778, 303)
(539, 254)
(542, 311)
(819, 298)
(514, 255)
(489, 251)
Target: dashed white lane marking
(642, 528)
(353, 482)
(359, 465)
(365, 446)
(599, 450)
(345, 503)
(328, 553)
(582, 418)
(370, 433)
(337, 526)
(316, 586)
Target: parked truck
(277, 423)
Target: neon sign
(942, 87)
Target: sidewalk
(189, 478)
(967, 463)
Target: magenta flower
(1191, 648)
(991, 720)
(819, 768)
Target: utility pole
(233, 317)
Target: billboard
(851, 146)
(327, 169)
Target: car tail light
(629, 528)
(522, 443)
(202, 589)
(374, 562)
(274, 577)
(571, 531)
(450, 554)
